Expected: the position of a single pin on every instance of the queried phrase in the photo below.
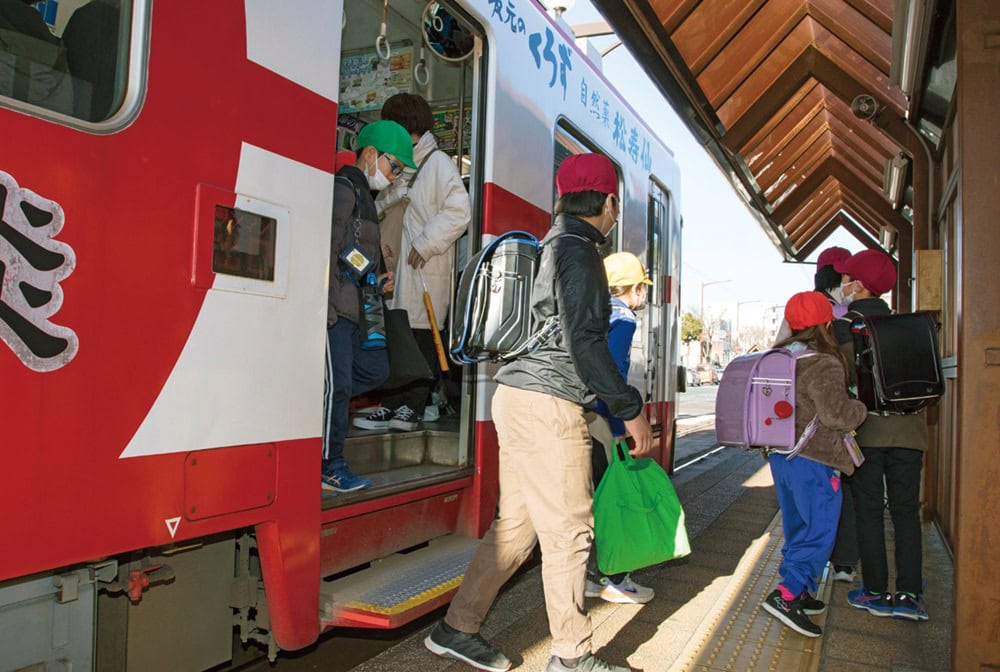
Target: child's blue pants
(809, 496)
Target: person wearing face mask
(893, 445)
(629, 286)
(541, 410)
(424, 213)
(826, 281)
(355, 252)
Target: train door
(434, 51)
(663, 324)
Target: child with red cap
(827, 281)
(893, 445)
(808, 484)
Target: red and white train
(166, 182)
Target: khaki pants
(546, 494)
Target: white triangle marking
(172, 524)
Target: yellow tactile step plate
(737, 635)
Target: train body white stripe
(299, 41)
(240, 348)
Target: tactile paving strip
(739, 636)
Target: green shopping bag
(638, 520)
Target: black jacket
(575, 363)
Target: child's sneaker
(626, 592)
(378, 419)
(343, 480)
(594, 588)
(404, 419)
(877, 604)
(809, 604)
(843, 573)
(909, 606)
(791, 614)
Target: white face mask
(614, 222)
(837, 294)
(846, 299)
(378, 181)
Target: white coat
(438, 214)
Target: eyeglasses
(394, 167)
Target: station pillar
(976, 632)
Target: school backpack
(755, 403)
(492, 310)
(897, 362)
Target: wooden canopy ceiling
(767, 86)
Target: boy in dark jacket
(893, 445)
(540, 410)
(384, 148)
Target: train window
(243, 244)
(66, 56)
(568, 140)
(656, 230)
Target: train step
(399, 588)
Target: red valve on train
(783, 409)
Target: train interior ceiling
(430, 53)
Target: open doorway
(432, 51)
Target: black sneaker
(404, 419)
(791, 614)
(588, 663)
(843, 573)
(471, 649)
(809, 604)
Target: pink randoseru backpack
(755, 403)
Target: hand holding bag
(638, 520)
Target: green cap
(388, 137)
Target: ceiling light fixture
(911, 21)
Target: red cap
(587, 172)
(831, 255)
(872, 268)
(345, 157)
(807, 309)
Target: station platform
(706, 615)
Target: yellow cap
(625, 270)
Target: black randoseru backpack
(897, 361)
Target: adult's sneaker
(877, 604)
(343, 480)
(588, 663)
(909, 606)
(791, 614)
(470, 648)
(809, 604)
(626, 592)
(377, 419)
(404, 419)
(843, 573)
